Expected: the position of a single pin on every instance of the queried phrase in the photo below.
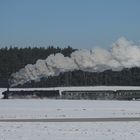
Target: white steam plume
(124, 54)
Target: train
(77, 93)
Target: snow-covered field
(37, 108)
(70, 131)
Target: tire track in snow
(119, 119)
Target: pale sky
(78, 23)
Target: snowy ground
(70, 131)
(37, 108)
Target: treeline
(12, 59)
(126, 77)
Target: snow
(46, 108)
(70, 131)
(114, 88)
(33, 108)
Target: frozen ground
(37, 108)
(70, 131)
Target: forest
(12, 59)
(126, 77)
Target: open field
(70, 131)
(38, 108)
(69, 109)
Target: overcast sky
(78, 23)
